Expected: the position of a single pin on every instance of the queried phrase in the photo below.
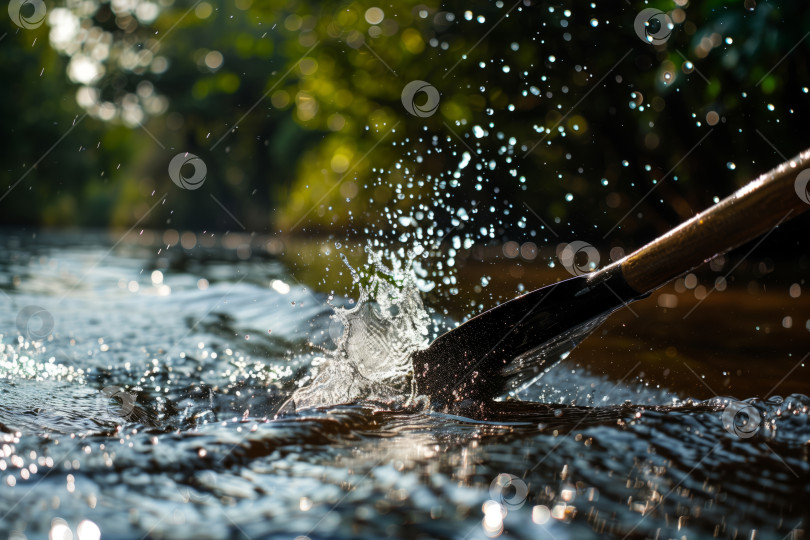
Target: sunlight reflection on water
(204, 456)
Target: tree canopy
(547, 117)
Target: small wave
(375, 340)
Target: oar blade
(472, 361)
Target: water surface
(138, 398)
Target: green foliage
(295, 108)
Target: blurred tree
(296, 110)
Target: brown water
(211, 347)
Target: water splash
(375, 339)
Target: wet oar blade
(468, 362)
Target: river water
(140, 386)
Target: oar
(523, 337)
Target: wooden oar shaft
(753, 210)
